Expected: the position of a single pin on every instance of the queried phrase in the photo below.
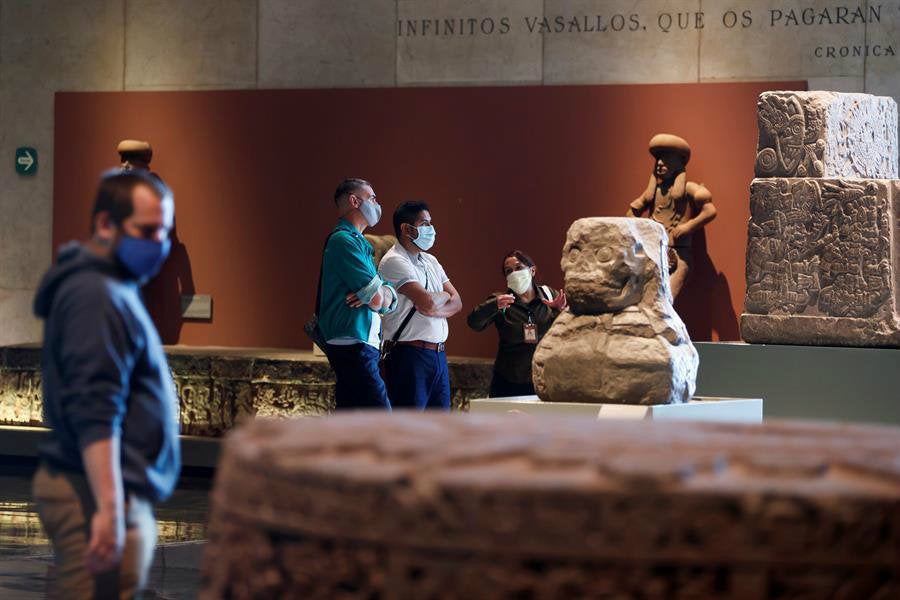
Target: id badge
(530, 333)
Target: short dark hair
(114, 194)
(407, 213)
(520, 256)
(349, 186)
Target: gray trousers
(65, 505)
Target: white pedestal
(735, 410)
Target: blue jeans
(358, 380)
(418, 378)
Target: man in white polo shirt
(416, 366)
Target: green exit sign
(26, 161)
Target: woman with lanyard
(521, 317)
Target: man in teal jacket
(353, 299)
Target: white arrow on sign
(27, 160)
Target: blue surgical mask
(371, 212)
(426, 237)
(143, 258)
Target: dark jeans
(418, 378)
(503, 388)
(358, 380)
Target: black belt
(437, 347)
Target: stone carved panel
(826, 134)
(20, 387)
(217, 392)
(819, 261)
(550, 508)
(20, 395)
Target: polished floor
(26, 562)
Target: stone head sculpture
(135, 154)
(620, 340)
(672, 154)
(611, 263)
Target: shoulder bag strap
(321, 267)
(410, 314)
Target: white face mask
(519, 281)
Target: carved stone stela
(822, 252)
(826, 134)
(361, 506)
(620, 340)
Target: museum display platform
(22, 442)
(217, 389)
(732, 410)
(810, 382)
(220, 386)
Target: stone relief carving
(20, 387)
(820, 247)
(218, 392)
(867, 141)
(547, 508)
(620, 340)
(826, 134)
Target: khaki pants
(65, 505)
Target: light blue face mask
(426, 237)
(371, 212)
(143, 258)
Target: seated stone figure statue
(620, 341)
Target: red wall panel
(502, 168)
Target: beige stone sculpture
(822, 251)
(681, 206)
(381, 244)
(361, 506)
(620, 340)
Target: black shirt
(514, 354)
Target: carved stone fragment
(20, 386)
(621, 340)
(360, 506)
(826, 134)
(820, 262)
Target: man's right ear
(104, 229)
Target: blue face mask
(143, 258)
(371, 212)
(426, 237)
